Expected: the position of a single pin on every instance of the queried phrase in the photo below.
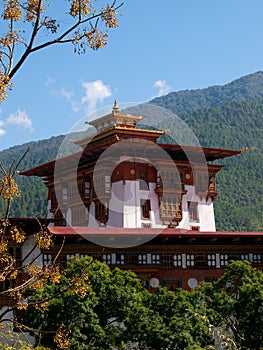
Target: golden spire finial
(115, 109)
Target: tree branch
(31, 42)
(30, 49)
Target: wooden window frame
(145, 209)
(47, 258)
(142, 259)
(177, 260)
(107, 258)
(211, 260)
(193, 211)
(144, 179)
(190, 260)
(120, 259)
(224, 260)
(155, 259)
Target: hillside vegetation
(229, 116)
(186, 101)
(32, 201)
(234, 125)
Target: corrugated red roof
(112, 231)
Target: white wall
(92, 221)
(125, 205)
(205, 209)
(69, 217)
(125, 208)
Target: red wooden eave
(178, 153)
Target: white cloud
(163, 87)
(67, 94)
(20, 118)
(69, 97)
(95, 92)
(50, 81)
(2, 131)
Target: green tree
(244, 284)
(110, 309)
(167, 320)
(234, 306)
(106, 309)
(90, 312)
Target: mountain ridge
(246, 87)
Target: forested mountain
(245, 88)
(32, 201)
(229, 116)
(234, 125)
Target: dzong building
(138, 204)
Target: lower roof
(119, 231)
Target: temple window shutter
(155, 259)
(223, 260)
(211, 260)
(142, 259)
(145, 208)
(144, 180)
(47, 258)
(193, 211)
(177, 260)
(190, 260)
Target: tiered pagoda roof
(115, 127)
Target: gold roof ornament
(115, 109)
(114, 119)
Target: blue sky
(160, 46)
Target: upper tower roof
(115, 118)
(117, 126)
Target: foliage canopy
(115, 311)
